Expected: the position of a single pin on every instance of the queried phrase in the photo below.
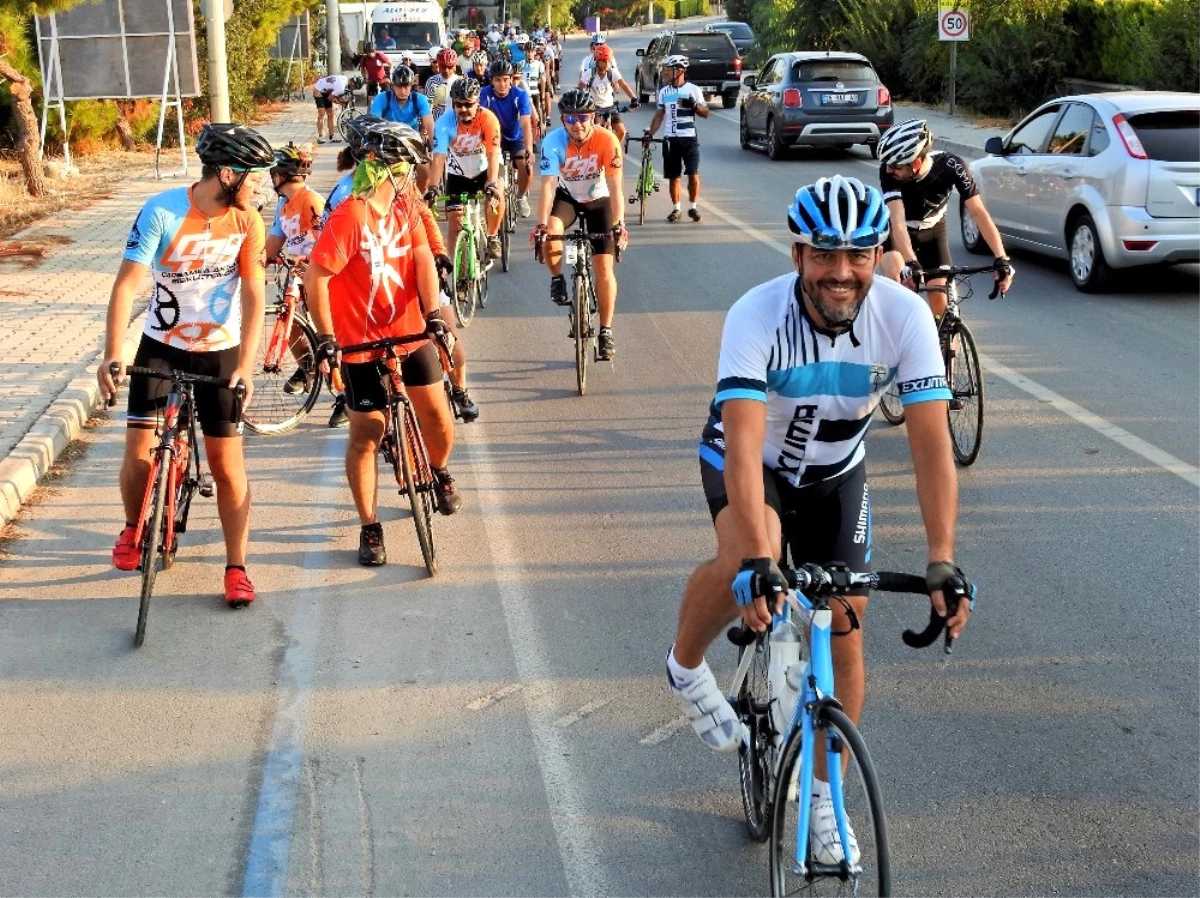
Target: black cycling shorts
(372, 88)
(931, 246)
(456, 185)
(609, 115)
(680, 154)
(822, 522)
(365, 391)
(597, 214)
(516, 149)
(148, 395)
(324, 100)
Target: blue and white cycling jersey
(341, 190)
(821, 390)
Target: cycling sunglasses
(578, 118)
(828, 238)
(471, 104)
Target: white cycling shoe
(523, 206)
(825, 843)
(710, 713)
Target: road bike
(964, 376)
(508, 223)
(783, 724)
(647, 180)
(469, 257)
(403, 446)
(176, 475)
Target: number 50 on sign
(953, 22)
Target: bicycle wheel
(582, 326)
(965, 380)
(346, 116)
(756, 764)
(153, 535)
(482, 265)
(505, 242)
(272, 409)
(464, 284)
(416, 476)
(890, 405)
(870, 873)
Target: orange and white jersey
(467, 147)
(298, 221)
(581, 168)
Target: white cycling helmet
(839, 213)
(903, 143)
(676, 61)
(598, 38)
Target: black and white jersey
(926, 199)
(821, 389)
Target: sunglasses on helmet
(828, 238)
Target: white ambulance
(408, 29)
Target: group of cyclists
(804, 359)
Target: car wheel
(971, 237)
(776, 148)
(743, 130)
(642, 96)
(1089, 270)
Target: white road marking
(664, 732)
(492, 697)
(576, 716)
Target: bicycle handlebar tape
(926, 637)
(890, 581)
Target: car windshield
(405, 35)
(1169, 136)
(701, 43)
(738, 32)
(832, 70)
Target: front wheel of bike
(153, 540)
(869, 871)
(416, 476)
(890, 405)
(464, 283)
(505, 243)
(965, 380)
(583, 327)
(274, 408)
(756, 762)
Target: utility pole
(218, 69)
(333, 38)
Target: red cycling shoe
(239, 591)
(126, 556)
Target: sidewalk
(52, 312)
(959, 134)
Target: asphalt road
(505, 728)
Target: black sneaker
(607, 348)
(694, 214)
(674, 216)
(558, 290)
(448, 498)
(467, 410)
(338, 418)
(370, 545)
(299, 382)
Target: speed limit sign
(953, 25)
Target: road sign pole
(333, 38)
(218, 66)
(953, 72)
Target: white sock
(820, 789)
(677, 207)
(691, 204)
(679, 674)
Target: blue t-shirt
(340, 192)
(508, 110)
(388, 106)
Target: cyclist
(512, 108)
(371, 276)
(804, 360)
(679, 102)
(437, 85)
(203, 246)
(325, 91)
(479, 68)
(916, 181)
(581, 175)
(536, 82)
(601, 82)
(405, 104)
(374, 68)
(588, 64)
(466, 148)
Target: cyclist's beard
(838, 314)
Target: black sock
(235, 567)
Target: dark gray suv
(814, 99)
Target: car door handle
(1068, 172)
(1021, 170)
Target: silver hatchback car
(1106, 181)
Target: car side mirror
(994, 146)
(641, 52)
(750, 81)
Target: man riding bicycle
(437, 85)
(679, 102)
(602, 83)
(581, 176)
(403, 103)
(917, 181)
(804, 361)
(511, 106)
(373, 276)
(466, 146)
(203, 246)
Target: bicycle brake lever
(996, 291)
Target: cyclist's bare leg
(552, 249)
(524, 175)
(454, 218)
(694, 186)
(366, 430)
(227, 462)
(493, 212)
(673, 189)
(135, 470)
(458, 374)
(618, 129)
(936, 298)
(606, 288)
(436, 420)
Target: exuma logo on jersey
(937, 382)
(579, 167)
(192, 252)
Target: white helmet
(903, 143)
(676, 61)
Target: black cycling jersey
(926, 199)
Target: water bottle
(785, 654)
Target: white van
(410, 28)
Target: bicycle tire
(272, 410)
(890, 405)
(482, 265)
(582, 326)
(152, 543)
(505, 242)
(863, 800)
(965, 379)
(756, 763)
(464, 288)
(347, 115)
(416, 477)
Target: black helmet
(500, 68)
(465, 90)
(226, 145)
(356, 129)
(292, 162)
(368, 47)
(576, 100)
(404, 76)
(392, 143)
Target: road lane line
(274, 817)
(575, 716)
(578, 839)
(1120, 436)
(664, 732)
(492, 697)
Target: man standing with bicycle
(804, 360)
(512, 107)
(581, 176)
(203, 246)
(679, 102)
(372, 276)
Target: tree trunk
(27, 129)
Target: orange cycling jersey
(297, 221)
(581, 168)
(432, 232)
(373, 291)
(466, 147)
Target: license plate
(571, 252)
(838, 99)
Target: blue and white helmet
(839, 213)
(598, 39)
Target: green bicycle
(469, 256)
(647, 181)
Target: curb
(966, 150)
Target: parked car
(1106, 181)
(742, 34)
(714, 63)
(815, 99)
